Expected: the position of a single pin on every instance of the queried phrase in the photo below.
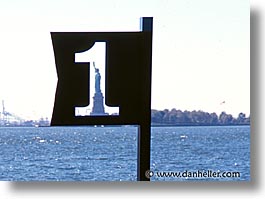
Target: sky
(201, 50)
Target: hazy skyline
(200, 50)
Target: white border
(253, 189)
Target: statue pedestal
(98, 107)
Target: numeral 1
(95, 54)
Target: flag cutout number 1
(96, 69)
(96, 56)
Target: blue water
(110, 153)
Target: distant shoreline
(161, 118)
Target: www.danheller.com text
(193, 174)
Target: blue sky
(200, 50)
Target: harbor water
(110, 153)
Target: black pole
(144, 134)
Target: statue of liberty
(97, 79)
(98, 107)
